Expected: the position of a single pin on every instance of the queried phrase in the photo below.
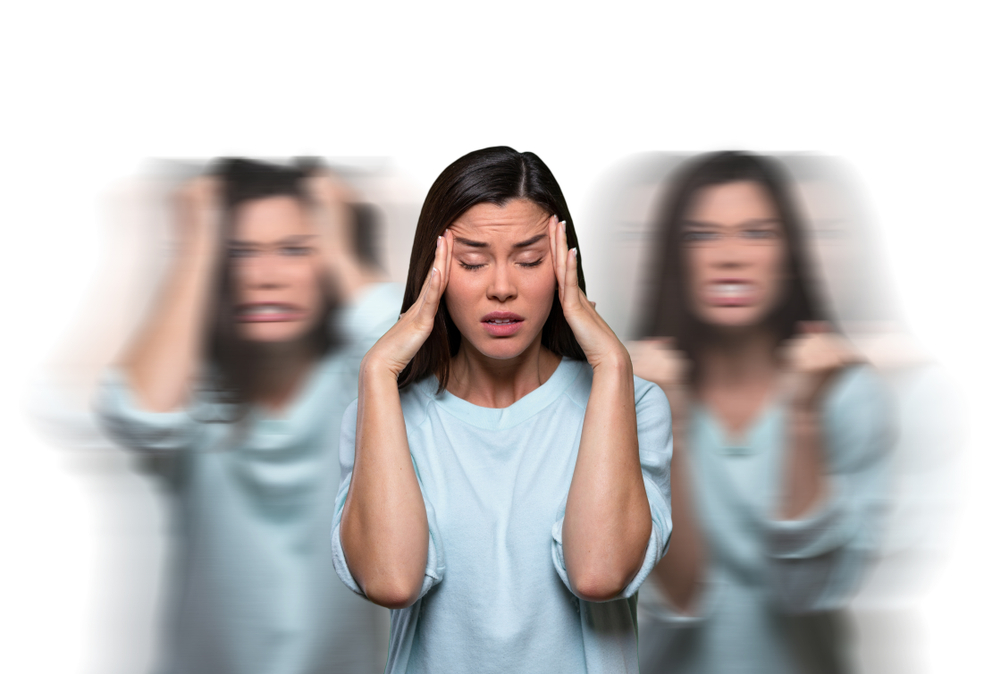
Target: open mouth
(731, 292)
(268, 312)
(502, 323)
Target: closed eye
(471, 267)
(532, 264)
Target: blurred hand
(331, 199)
(596, 338)
(199, 212)
(658, 361)
(400, 344)
(811, 360)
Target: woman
(505, 477)
(237, 382)
(781, 436)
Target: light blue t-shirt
(253, 591)
(495, 596)
(773, 587)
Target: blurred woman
(781, 435)
(238, 381)
(505, 477)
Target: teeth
(730, 289)
(500, 321)
(265, 309)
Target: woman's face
(502, 282)
(276, 270)
(735, 255)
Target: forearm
(164, 358)
(682, 569)
(607, 522)
(804, 477)
(384, 524)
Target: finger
(572, 278)
(561, 253)
(426, 288)
(553, 230)
(449, 243)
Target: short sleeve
(652, 413)
(816, 562)
(366, 319)
(138, 429)
(434, 570)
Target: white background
(906, 92)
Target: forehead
(732, 203)
(270, 218)
(517, 220)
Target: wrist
(614, 360)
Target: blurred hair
(666, 311)
(493, 175)
(231, 358)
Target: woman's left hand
(596, 338)
(330, 199)
(811, 360)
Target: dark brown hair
(666, 311)
(493, 175)
(231, 359)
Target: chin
(732, 317)
(271, 333)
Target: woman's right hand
(400, 344)
(199, 212)
(657, 360)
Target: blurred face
(275, 270)
(502, 282)
(735, 255)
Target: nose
(730, 253)
(501, 286)
(264, 272)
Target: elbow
(393, 593)
(597, 585)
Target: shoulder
(416, 399)
(858, 416)
(649, 395)
(856, 389)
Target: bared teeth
(730, 289)
(265, 309)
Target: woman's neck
(736, 374)
(488, 382)
(279, 371)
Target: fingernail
(572, 251)
(440, 239)
(562, 224)
(434, 271)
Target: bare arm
(813, 359)
(164, 357)
(332, 212)
(384, 528)
(607, 523)
(681, 571)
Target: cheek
(774, 272)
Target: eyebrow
(481, 244)
(296, 238)
(754, 221)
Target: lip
(283, 313)
(511, 323)
(742, 294)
